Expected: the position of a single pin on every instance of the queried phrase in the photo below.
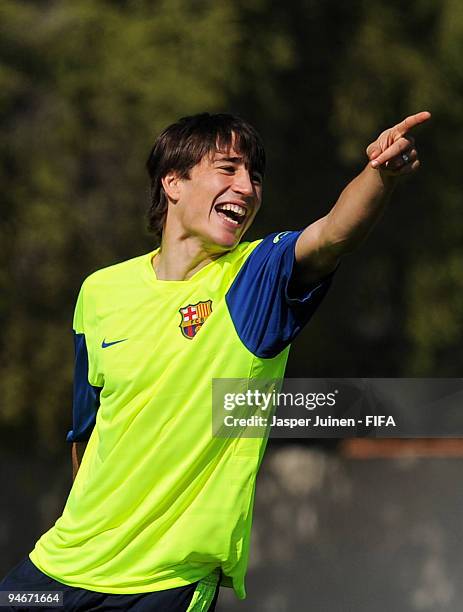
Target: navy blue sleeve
(86, 398)
(266, 311)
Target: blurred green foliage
(85, 86)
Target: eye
(228, 168)
(257, 178)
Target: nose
(242, 182)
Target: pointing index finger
(410, 122)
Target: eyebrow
(233, 160)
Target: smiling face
(217, 203)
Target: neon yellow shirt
(158, 501)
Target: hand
(394, 152)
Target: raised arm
(360, 205)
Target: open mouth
(235, 214)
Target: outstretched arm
(360, 205)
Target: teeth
(236, 208)
(230, 220)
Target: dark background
(85, 87)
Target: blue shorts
(27, 577)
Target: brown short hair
(183, 144)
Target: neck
(179, 259)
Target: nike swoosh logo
(279, 236)
(105, 344)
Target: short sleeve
(266, 314)
(86, 396)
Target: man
(160, 509)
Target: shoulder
(269, 249)
(272, 243)
(277, 242)
(122, 272)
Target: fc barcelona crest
(193, 317)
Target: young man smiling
(160, 510)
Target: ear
(171, 185)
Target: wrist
(385, 179)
